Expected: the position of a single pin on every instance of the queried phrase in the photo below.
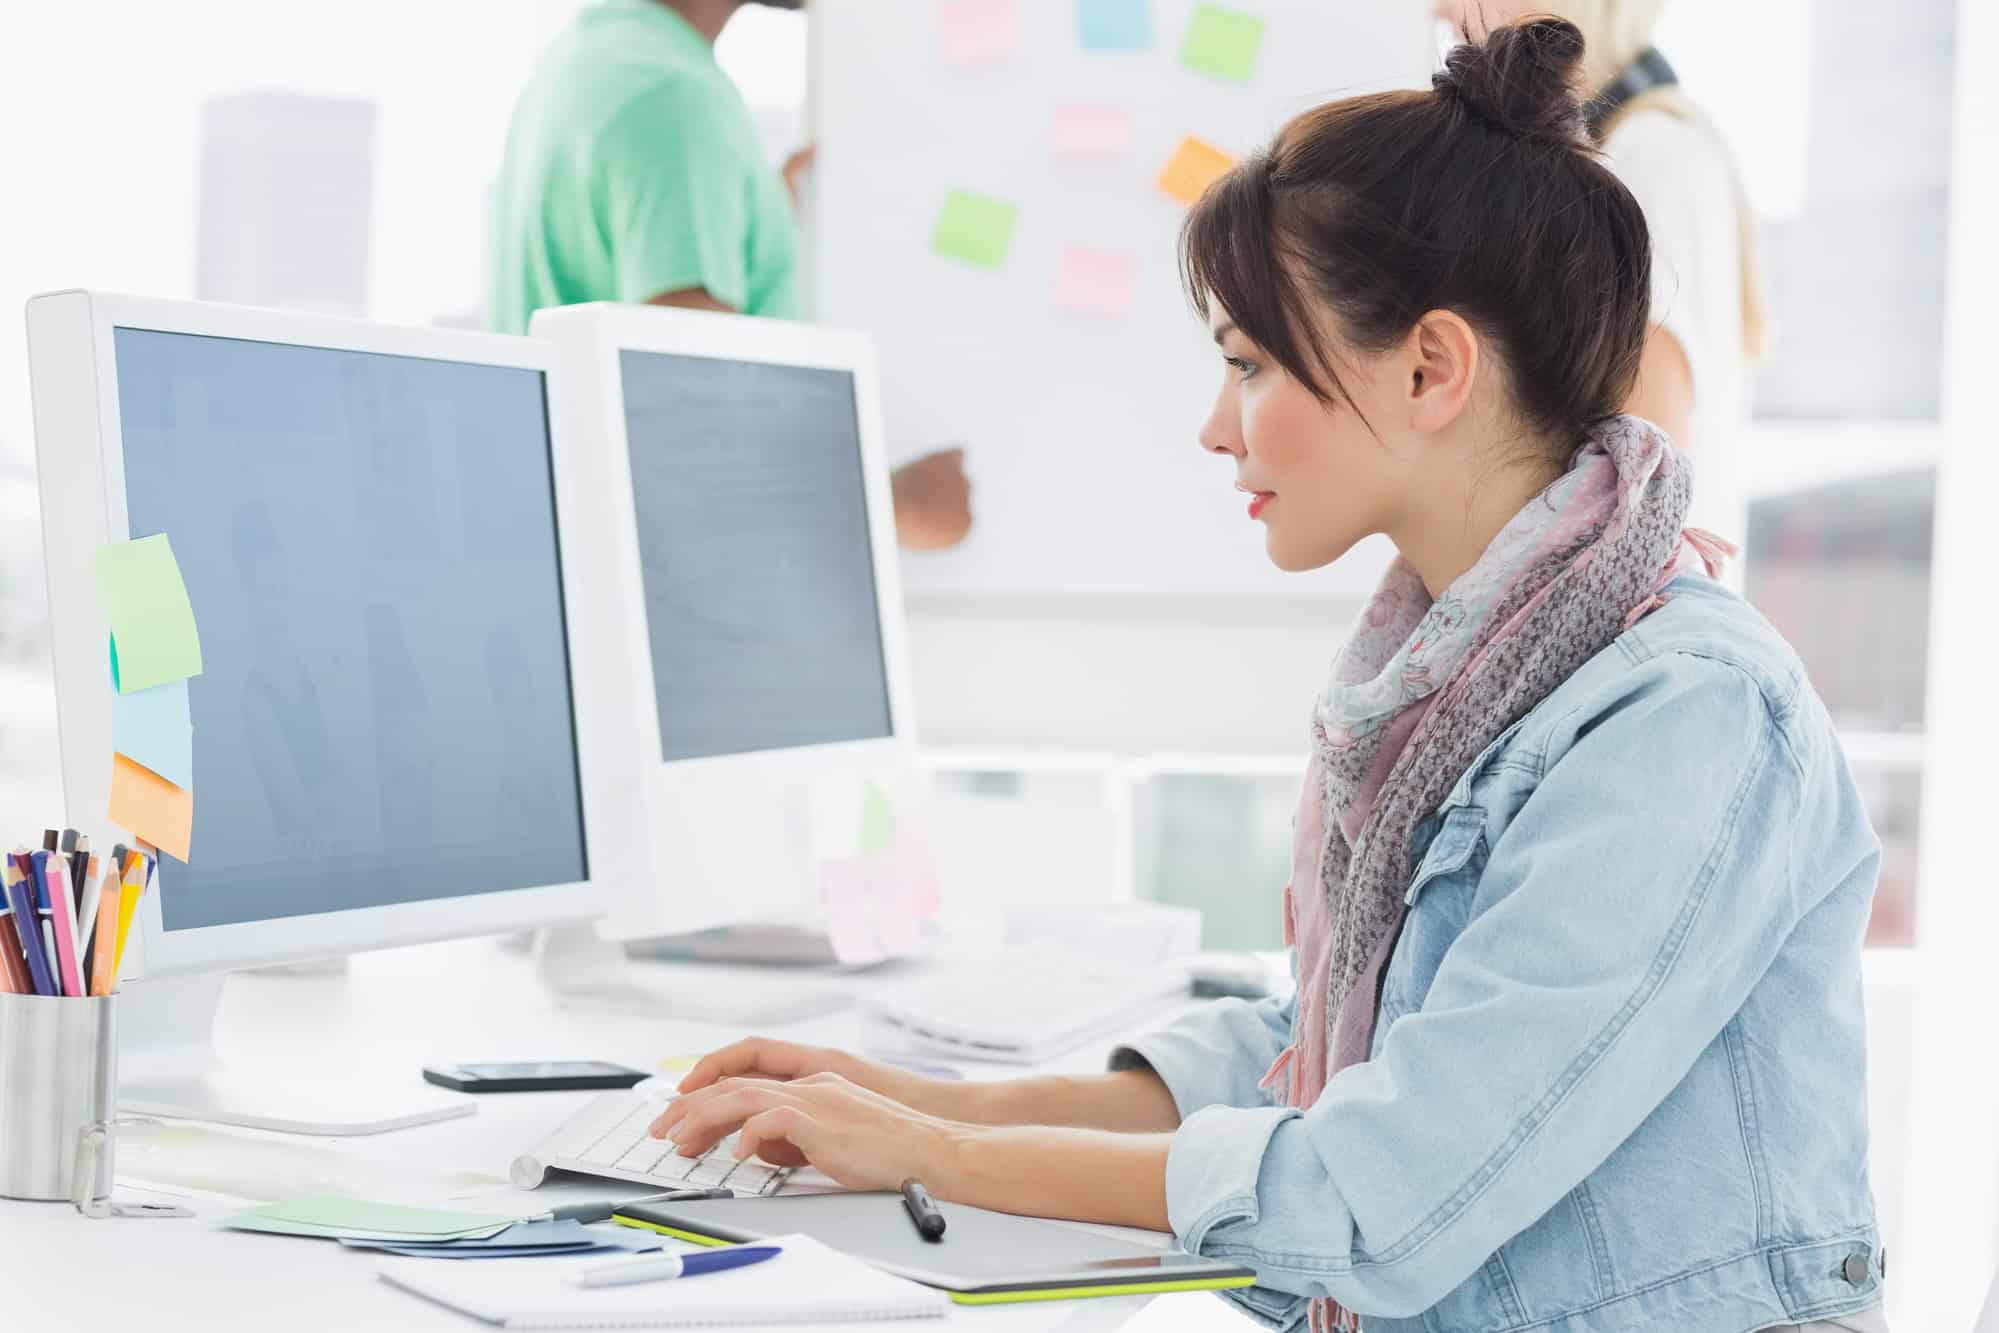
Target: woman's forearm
(1081, 1175)
(1131, 1101)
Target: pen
(86, 913)
(922, 1210)
(659, 1267)
(128, 903)
(603, 1212)
(21, 897)
(62, 916)
(104, 967)
(12, 962)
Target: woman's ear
(1443, 363)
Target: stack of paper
(520, 1241)
(334, 1217)
(807, 1284)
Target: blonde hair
(1616, 33)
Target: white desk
(396, 1012)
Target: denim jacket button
(1855, 1268)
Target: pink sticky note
(1095, 282)
(977, 32)
(850, 909)
(916, 871)
(1083, 130)
(878, 903)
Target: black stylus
(922, 1210)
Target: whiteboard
(1080, 429)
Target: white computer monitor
(748, 546)
(399, 730)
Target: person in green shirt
(633, 172)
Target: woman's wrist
(1049, 1171)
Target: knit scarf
(1419, 691)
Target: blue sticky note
(1115, 25)
(153, 729)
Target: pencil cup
(58, 1074)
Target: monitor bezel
(80, 458)
(589, 339)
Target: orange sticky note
(149, 807)
(1194, 166)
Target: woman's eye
(1243, 369)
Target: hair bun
(1524, 79)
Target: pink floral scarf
(1419, 691)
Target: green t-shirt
(632, 169)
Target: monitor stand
(585, 971)
(168, 1067)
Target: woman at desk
(1580, 875)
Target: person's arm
(1664, 394)
(691, 298)
(1589, 978)
(1215, 1055)
(1679, 179)
(1128, 1100)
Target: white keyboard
(608, 1138)
(1027, 1005)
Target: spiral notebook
(808, 1284)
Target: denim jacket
(1618, 1077)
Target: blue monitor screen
(755, 554)
(369, 543)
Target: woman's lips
(1259, 501)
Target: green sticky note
(877, 821)
(975, 229)
(153, 638)
(336, 1215)
(1223, 42)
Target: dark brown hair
(1482, 196)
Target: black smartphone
(533, 1076)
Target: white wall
(1127, 677)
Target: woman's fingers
(687, 1103)
(759, 1057)
(781, 1132)
(716, 1113)
(737, 1058)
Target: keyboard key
(644, 1156)
(609, 1136)
(710, 1171)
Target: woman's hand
(761, 1057)
(859, 1137)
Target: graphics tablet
(984, 1258)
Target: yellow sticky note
(151, 808)
(974, 229)
(1222, 42)
(153, 638)
(678, 1064)
(1195, 165)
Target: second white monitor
(747, 553)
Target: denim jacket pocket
(1457, 841)
(1439, 899)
